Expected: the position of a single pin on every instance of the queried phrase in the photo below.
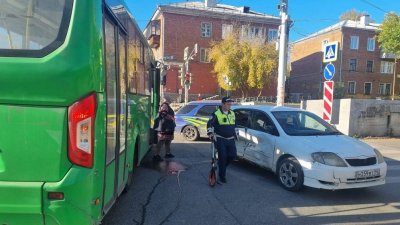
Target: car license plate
(367, 173)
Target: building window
(256, 32)
(272, 35)
(367, 88)
(204, 55)
(386, 67)
(353, 65)
(370, 65)
(371, 44)
(354, 42)
(252, 32)
(321, 87)
(351, 88)
(245, 31)
(206, 29)
(384, 89)
(227, 29)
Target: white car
(302, 149)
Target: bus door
(115, 72)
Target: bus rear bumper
(80, 188)
(28, 203)
(20, 203)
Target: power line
(294, 30)
(314, 20)
(375, 6)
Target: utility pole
(283, 37)
(394, 76)
(187, 75)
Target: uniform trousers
(226, 154)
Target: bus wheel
(190, 133)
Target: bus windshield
(32, 24)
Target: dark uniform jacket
(224, 125)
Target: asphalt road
(176, 192)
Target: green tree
(389, 40)
(227, 56)
(244, 64)
(263, 65)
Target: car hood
(342, 145)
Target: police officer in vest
(221, 128)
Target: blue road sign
(330, 51)
(329, 71)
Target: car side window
(206, 110)
(261, 122)
(186, 109)
(242, 118)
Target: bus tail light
(55, 195)
(81, 116)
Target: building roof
(362, 24)
(198, 8)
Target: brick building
(362, 70)
(176, 26)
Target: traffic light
(181, 74)
(163, 80)
(187, 79)
(164, 71)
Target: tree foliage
(263, 64)
(245, 64)
(226, 56)
(352, 15)
(389, 36)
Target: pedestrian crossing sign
(330, 51)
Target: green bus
(79, 89)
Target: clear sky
(309, 16)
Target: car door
(242, 117)
(262, 136)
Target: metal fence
(261, 99)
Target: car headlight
(328, 158)
(379, 156)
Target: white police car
(191, 120)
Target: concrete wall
(361, 117)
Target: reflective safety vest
(225, 119)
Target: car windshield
(303, 123)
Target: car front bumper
(335, 178)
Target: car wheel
(290, 174)
(190, 133)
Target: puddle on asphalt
(167, 166)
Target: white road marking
(342, 210)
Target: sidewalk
(389, 147)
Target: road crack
(180, 194)
(148, 200)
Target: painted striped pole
(328, 99)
